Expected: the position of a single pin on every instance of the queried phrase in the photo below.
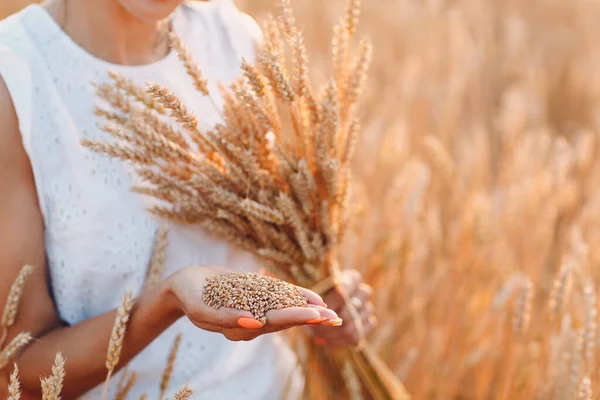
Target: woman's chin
(150, 10)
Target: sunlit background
(478, 199)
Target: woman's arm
(22, 237)
(84, 346)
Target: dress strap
(16, 73)
(17, 77)
(244, 33)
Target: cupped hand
(188, 284)
(351, 295)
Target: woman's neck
(106, 30)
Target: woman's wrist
(161, 303)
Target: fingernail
(249, 323)
(335, 322)
(319, 341)
(317, 320)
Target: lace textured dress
(98, 234)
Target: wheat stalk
(14, 387)
(522, 314)
(585, 389)
(125, 385)
(15, 345)
(157, 262)
(115, 344)
(52, 385)
(184, 393)
(12, 303)
(168, 371)
(561, 289)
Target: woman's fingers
(349, 283)
(358, 300)
(292, 316)
(312, 297)
(228, 318)
(368, 318)
(326, 313)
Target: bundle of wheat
(274, 177)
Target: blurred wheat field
(477, 208)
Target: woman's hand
(359, 295)
(187, 286)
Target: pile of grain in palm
(252, 292)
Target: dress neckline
(43, 17)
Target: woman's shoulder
(224, 18)
(15, 85)
(11, 145)
(12, 29)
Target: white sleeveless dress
(98, 234)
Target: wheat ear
(124, 390)
(522, 311)
(159, 253)
(52, 385)
(561, 290)
(17, 344)
(12, 303)
(184, 393)
(14, 386)
(585, 389)
(168, 372)
(116, 338)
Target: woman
(70, 213)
